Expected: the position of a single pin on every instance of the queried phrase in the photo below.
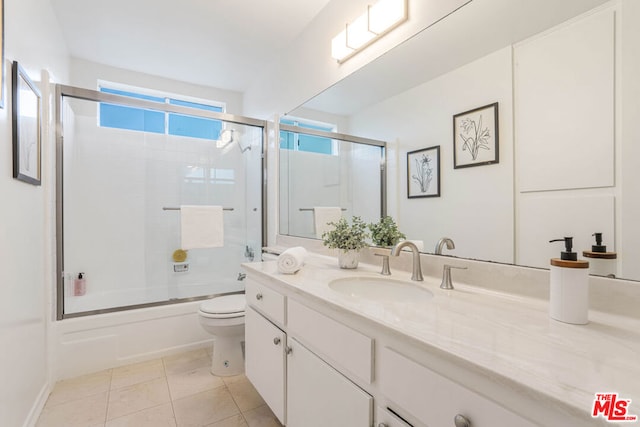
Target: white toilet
(223, 317)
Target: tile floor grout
(182, 378)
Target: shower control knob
(276, 340)
(461, 421)
(258, 297)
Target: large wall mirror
(323, 171)
(564, 76)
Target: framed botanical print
(475, 137)
(423, 172)
(26, 118)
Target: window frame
(167, 98)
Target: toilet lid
(225, 304)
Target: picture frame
(26, 119)
(423, 172)
(2, 74)
(475, 137)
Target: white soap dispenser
(602, 263)
(569, 286)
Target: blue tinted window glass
(195, 127)
(118, 116)
(121, 117)
(314, 144)
(310, 143)
(131, 94)
(286, 140)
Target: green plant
(385, 232)
(345, 236)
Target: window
(310, 143)
(140, 119)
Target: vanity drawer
(266, 300)
(385, 418)
(339, 344)
(434, 400)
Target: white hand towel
(292, 260)
(324, 215)
(201, 227)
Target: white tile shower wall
(116, 231)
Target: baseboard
(38, 406)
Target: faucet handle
(446, 276)
(386, 271)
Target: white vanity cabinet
(316, 394)
(265, 362)
(320, 396)
(420, 393)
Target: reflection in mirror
(320, 168)
(553, 67)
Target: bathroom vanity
(339, 347)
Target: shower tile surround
(509, 336)
(175, 390)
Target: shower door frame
(63, 91)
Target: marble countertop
(504, 334)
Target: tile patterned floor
(175, 391)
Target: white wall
(32, 37)
(565, 133)
(87, 74)
(475, 208)
(629, 134)
(305, 68)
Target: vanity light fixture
(378, 20)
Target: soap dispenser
(602, 263)
(569, 286)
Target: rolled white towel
(292, 260)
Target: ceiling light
(374, 23)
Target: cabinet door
(319, 396)
(265, 360)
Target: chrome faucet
(416, 273)
(441, 243)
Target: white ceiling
(218, 43)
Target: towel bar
(165, 208)
(310, 209)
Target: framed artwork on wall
(475, 137)
(26, 118)
(423, 172)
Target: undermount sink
(381, 289)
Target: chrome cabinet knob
(288, 350)
(276, 340)
(258, 297)
(461, 421)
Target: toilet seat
(224, 307)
